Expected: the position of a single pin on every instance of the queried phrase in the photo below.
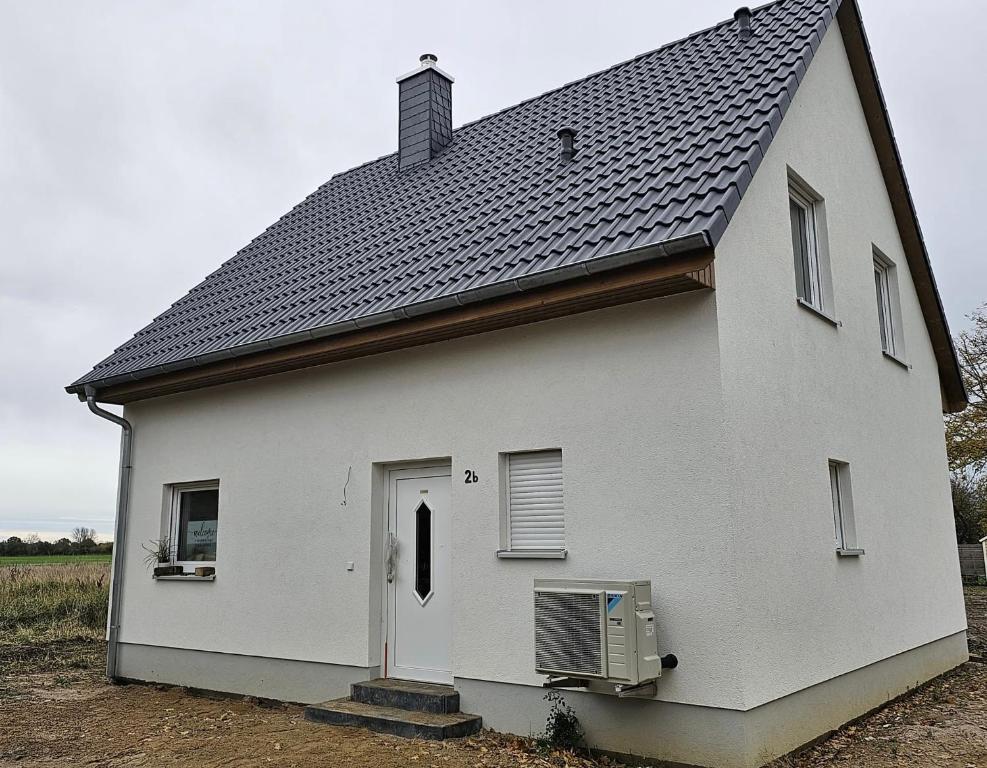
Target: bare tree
(83, 534)
(969, 507)
(966, 432)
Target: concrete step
(399, 722)
(406, 694)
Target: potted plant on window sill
(159, 558)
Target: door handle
(391, 556)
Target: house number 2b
(471, 476)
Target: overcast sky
(143, 143)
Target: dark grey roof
(667, 144)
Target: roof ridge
(569, 84)
(618, 65)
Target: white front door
(417, 559)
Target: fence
(972, 560)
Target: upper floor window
(812, 279)
(888, 308)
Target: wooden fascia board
(664, 277)
(882, 136)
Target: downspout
(119, 532)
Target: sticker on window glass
(200, 539)
(198, 525)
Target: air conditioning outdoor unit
(602, 630)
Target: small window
(195, 523)
(839, 486)
(423, 552)
(535, 515)
(812, 282)
(888, 309)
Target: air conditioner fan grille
(567, 633)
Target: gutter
(678, 246)
(119, 532)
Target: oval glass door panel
(423, 553)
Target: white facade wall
(695, 432)
(630, 394)
(799, 392)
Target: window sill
(819, 313)
(896, 359)
(527, 554)
(185, 577)
(849, 552)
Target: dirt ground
(943, 725)
(976, 618)
(55, 710)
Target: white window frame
(841, 495)
(508, 549)
(175, 491)
(818, 282)
(888, 304)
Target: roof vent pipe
(568, 137)
(743, 17)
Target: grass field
(46, 559)
(53, 602)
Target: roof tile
(666, 145)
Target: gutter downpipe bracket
(119, 532)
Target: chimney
(743, 17)
(424, 113)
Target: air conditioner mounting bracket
(644, 690)
(565, 682)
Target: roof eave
(678, 246)
(879, 123)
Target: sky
(143, 143)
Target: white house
(671, 322)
